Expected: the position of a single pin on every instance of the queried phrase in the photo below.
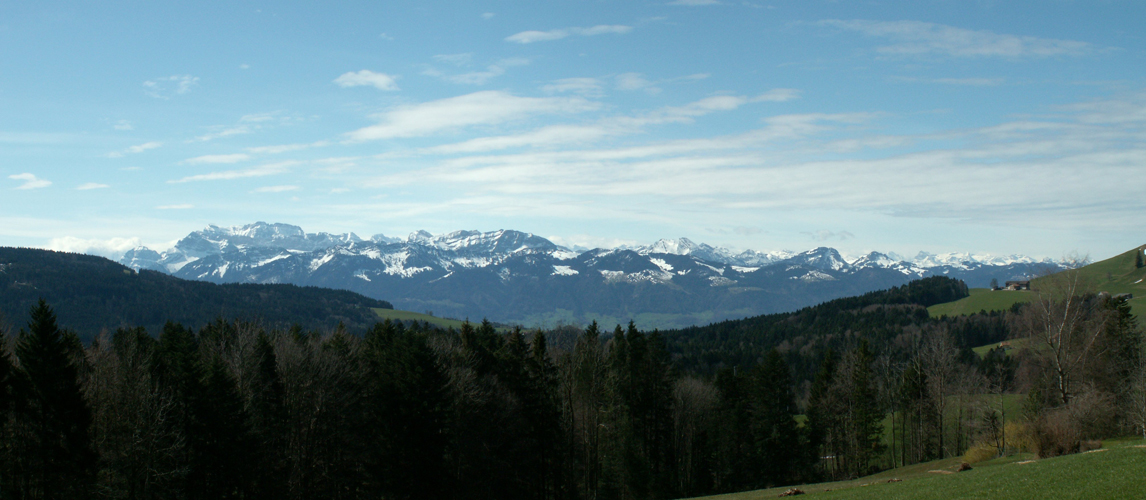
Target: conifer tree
(406, 406)
(7, 450)
(62, 461)
(773, 420)
(268, 416)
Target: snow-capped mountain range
(512, 276)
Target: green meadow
(1118, 274)
(1118, 470)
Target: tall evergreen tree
(773, 421)
(62, 461)
(222, 448)
(7, 446)
(268, 418)
(822, 418)
(406, 402)
(865, 417)
(544, 413)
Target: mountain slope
(514, 277)
(92, 293)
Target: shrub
(1020, 437)
(981, 451)
(1056, 434)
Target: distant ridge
(91, 293)
(511, 276)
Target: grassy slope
(1118, 472)
(409, 316)
(981, 299)
(1114, 275)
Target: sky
(1000, 127)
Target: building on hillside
(1018, 285)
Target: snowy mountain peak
(384, 240)
(821, 258)
(681, 246)
(420, 236)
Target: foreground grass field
(1118, 470)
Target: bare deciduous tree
(1064, 317)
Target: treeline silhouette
(93, 293)
(236, 410)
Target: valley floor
(1117, 470)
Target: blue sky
(978, 126)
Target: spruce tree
(7, 373)
(62, 460)
(406, 407)
(268, 418)
(773, 421)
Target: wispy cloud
(920, 38)
(169, 86)
(181, 206)
(969, 82)
(463, 59)
(260, 171)
(693, 3)
(1063, 163)
(122, 125)
(247, 124)
(473, 77)
(635, 81)
(143, 147)
(479, 108)
(139, 148)
(275, 189)
(231, 158)
(826, 235)
(558, 135)
(367, 78)
(588, 87)
(286, 148)
(30, 181)
(557, 34)
(91, 185)
(777, 95)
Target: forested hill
(892, 321)
(92, 293)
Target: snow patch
(665, 266)
(741, 269)
(720, 281)
(563, 271)
(272, 259)
(814, 275)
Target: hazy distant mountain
(511, 276)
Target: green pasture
(1118, 470)
(981, 299)
(1115, 275)
(395, 314)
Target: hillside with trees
(239, 409)
(94, 293)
